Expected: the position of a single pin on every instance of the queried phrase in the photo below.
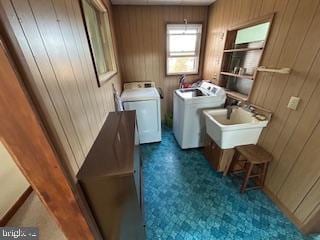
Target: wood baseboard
(312, 223)
(15, 207)
(284, 209)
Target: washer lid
(139, 94)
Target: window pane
(182, 65)
(182, 43)
(93, 25)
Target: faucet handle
(252, 109)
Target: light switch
(293, 103)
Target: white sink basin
(242, 128)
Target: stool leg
(233, 162)
(264, 173)
(245, 182)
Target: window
(100, 39)
(183, 48)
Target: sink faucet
(233, 104)
(229, 111)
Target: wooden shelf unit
(247, 55)
(238, 75)
(236, 95)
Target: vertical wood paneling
(31, 149)
(141, 35)
(294, 82)
(70, 14)
(76, 66)
(307, 162)
(51, 37)
(308, 92)
(50, 110)
(76, 21)
(310, 203)
(35, 44)
(288, 57)
(281, 25)
(45, 18)
(292, 136)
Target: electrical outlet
(293, 103)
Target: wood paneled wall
(141, 36)
(293, 137)
(27, 142)
(50, 42)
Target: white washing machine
(188, 119)
(145, 99)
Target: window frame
(198, 49)
(106, 33)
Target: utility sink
(242, 128)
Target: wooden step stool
(255, 164)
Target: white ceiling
(163, 2)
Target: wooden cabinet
(217, 157)
(111, 179)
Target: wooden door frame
(26, 139)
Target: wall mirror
(98, 28)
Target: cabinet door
(213, 153)
(217, 157)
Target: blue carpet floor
(186, 199)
